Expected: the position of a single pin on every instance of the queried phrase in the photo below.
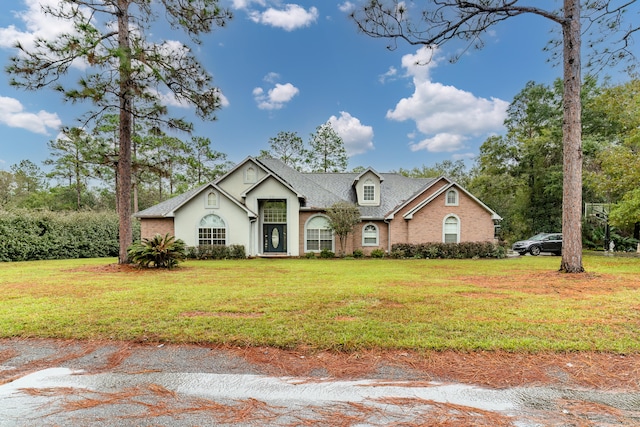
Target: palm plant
(160, 252)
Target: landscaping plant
(160, 252)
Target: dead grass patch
(554, 283)
(226, 314)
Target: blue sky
(292, 66)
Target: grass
(519, 304)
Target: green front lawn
(519, 304)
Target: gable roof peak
(369, 169)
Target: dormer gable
(368, 187)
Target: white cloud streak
(357, 138)
(276, 97)
(289, 18)
(12, 114)
(37, 25)
(446, 116)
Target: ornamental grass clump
(160, 252)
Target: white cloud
(244, 4)
(271, 77)
(13, 115)
(389, 75)
(439, 143)
(276, 97)
(290, 18)
(445, 115)
(357, 137)
(37, 25)
(346, 7)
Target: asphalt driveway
(84, 383)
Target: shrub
(377, 253)
(435, 250)
(32, 235)
(327, 253)
(160, 252)
(216, 252)
(397, 254)
(358, 253)
(237, 252)
(310, 255)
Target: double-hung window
(318, 234)
(370, 235)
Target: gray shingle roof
(168, 206)
(320, 190)
(324, 189)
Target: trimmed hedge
(36, 235)
(216, 252)
(449, 250)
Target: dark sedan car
(543, 242)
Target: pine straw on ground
(494, 369)
(487, 369)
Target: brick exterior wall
(476, 224)
(149, 227)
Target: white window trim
(333, 237)
(444, 220)
(226, 229)
(377, 243)
(446, 198)
(216, 202)
(367, 185)
(248, 179)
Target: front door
(275, 237)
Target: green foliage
(377, 253)
(435, 250)
(343, 216)
(216, 252)
(310, 255)
(288, 147)
(358, 253)
(327, 152)
(29, 235)
(160, 252)
(327, 253)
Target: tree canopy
(123, 70)
(440, 21)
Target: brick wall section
(149, 227)
(354, 240)
(400, 227)
(476, 224)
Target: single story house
(273, 209)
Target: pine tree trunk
(124, 158)
(572, 143)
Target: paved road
(49, 383)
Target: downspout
(252, 236)
(388, 222)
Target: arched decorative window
(451, 229)
(370, 235)
(452, 198)
(369, 191)
(212, 230)
(318, 234)
(211, 199)
(250, 175)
